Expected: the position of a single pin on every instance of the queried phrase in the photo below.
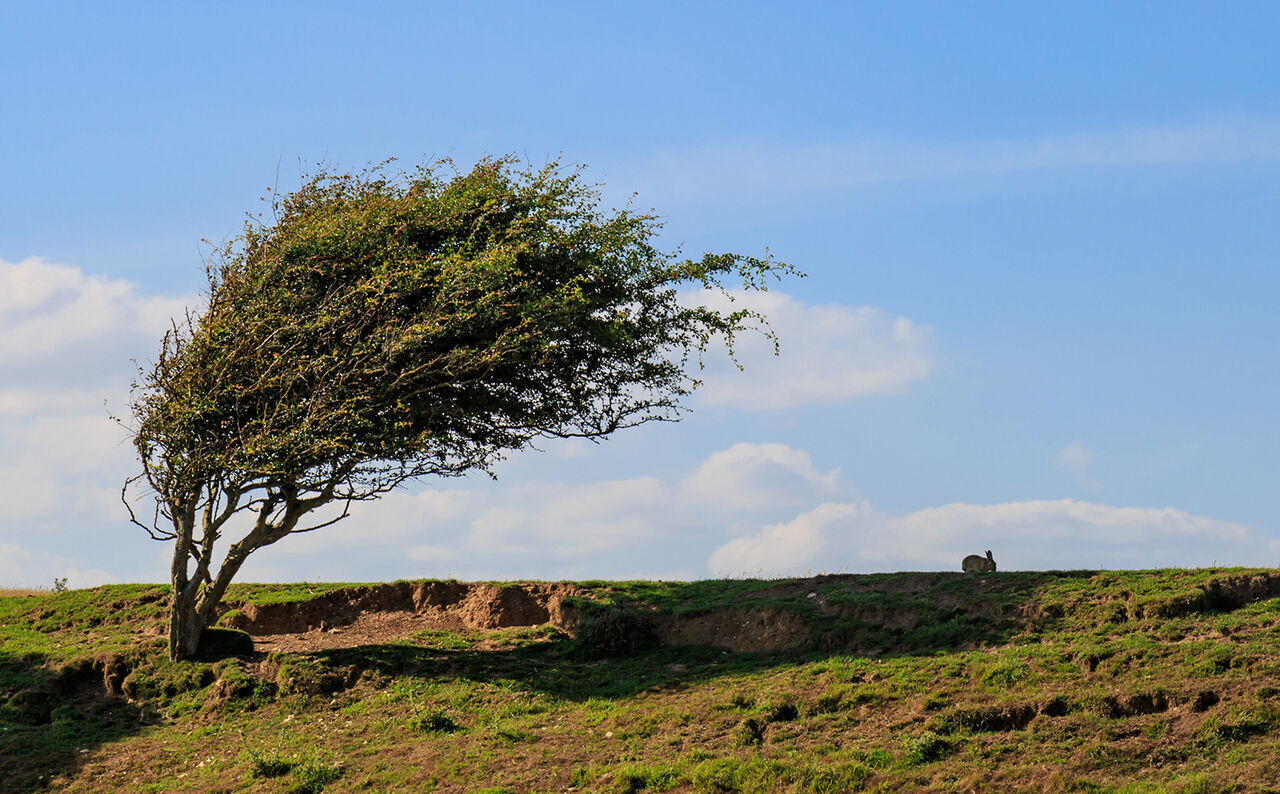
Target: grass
(1063, 681)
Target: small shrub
(926, 748)
(837, 778)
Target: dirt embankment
(836, 611)
(372, 613)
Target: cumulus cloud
(790, 547)
(66, 343)
(1053, 534)
(749, 509)
(829, 353)
(754, 476)
(46, 308)
(24, 567)
(636, 525)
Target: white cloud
(45, 308)
(829, 353)
(781, 170)
(755, 476)
(24, 567)
(555, 526)
(1057, 534)
(66, 343)
(793, 547)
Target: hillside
(1080, 680)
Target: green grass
(1084, 681)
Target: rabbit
(975, 564)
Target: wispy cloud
(1074, 456)
(758, 170)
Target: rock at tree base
(220, 643)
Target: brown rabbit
(975, 564)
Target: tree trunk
(185, 627)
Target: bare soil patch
(374, 614)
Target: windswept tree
(377, 329)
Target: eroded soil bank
(367, 614)
(868, 612)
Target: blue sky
(1040, 241)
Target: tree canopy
(376, 329)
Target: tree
(380, 329)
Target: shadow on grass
(50, 720)
(866, 620)
(555, 668)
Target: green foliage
(379, 329)
(1240, 726)
(925, 748)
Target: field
(1056, 681)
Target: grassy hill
(1061, 681)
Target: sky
(1040, 243)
